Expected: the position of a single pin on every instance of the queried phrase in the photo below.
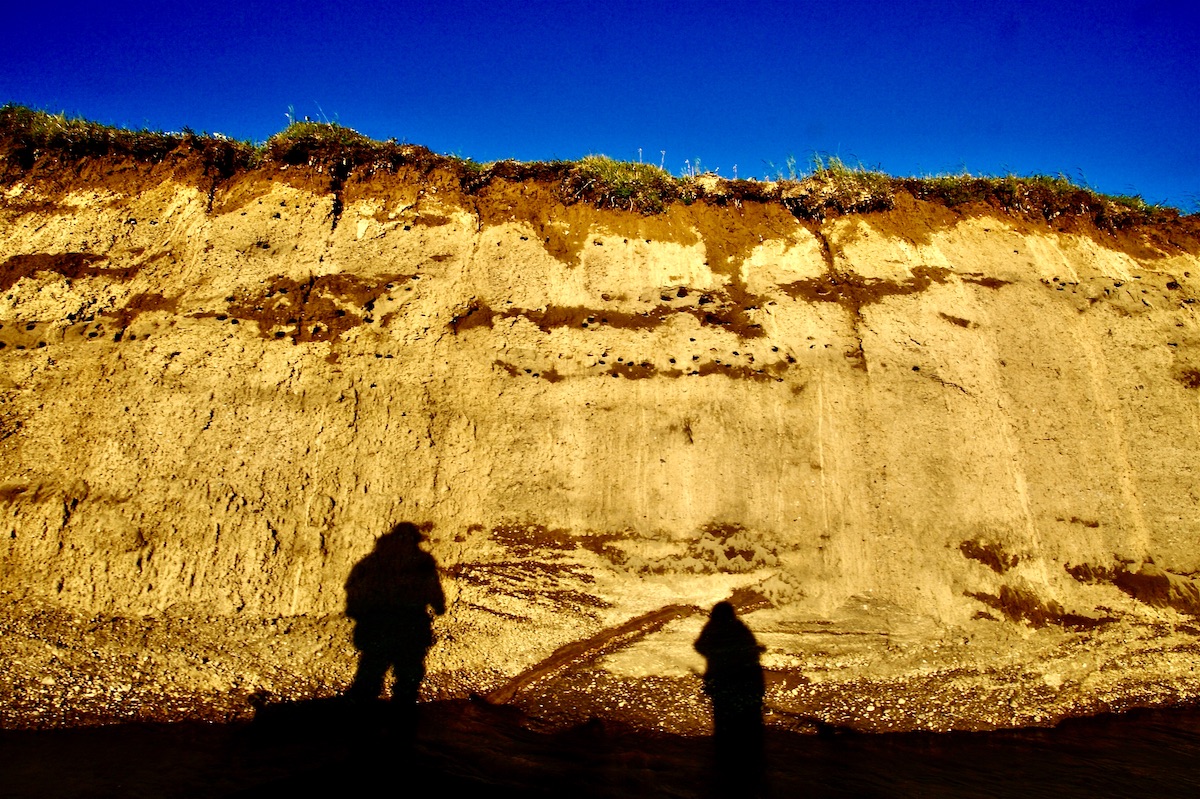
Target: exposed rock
(895, 429)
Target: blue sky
(1104, 92)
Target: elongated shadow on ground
(733, 680)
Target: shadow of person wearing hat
(389, 595)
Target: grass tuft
(309, 142)
(29, 135)
(624, 184)
(832, 187)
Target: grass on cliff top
(828, 187)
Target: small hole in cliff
(916, 368)
(279, 334)
(30, 326)
(132, 337)
(340, 312)
(93, 334)
(20, 346)
(233, 321)
(221, 317)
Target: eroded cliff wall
(945, 458)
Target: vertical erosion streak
(825, 532)
(1017, 471)
(1110, 412)
(316, 486)
(644, 458)
(784, 484)
(294, 605)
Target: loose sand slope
(946, 459)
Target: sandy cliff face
(943, 460)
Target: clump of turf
(834, 188)
(1045, 196)
(632, 186)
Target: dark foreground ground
(470, 748)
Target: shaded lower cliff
(943, 457)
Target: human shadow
(734, 683)
(389, 596)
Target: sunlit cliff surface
(943, 455)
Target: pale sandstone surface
(950, 458)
